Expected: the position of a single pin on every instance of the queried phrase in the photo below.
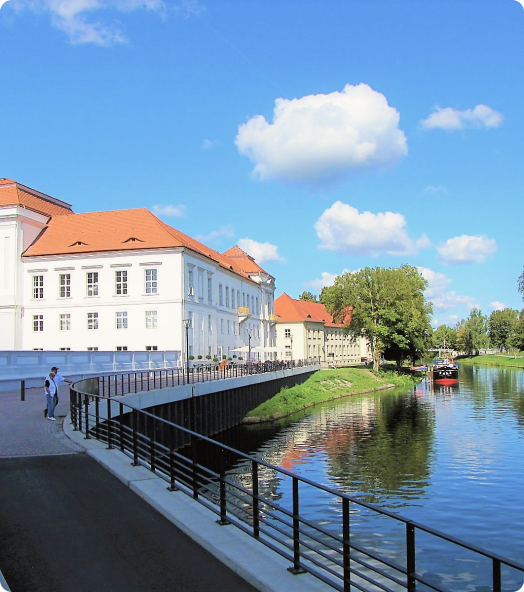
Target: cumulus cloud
(225, 231)
(442, 298)
(71, 16)
(321, 139)
(465, 249)
(454, 119)
(327, 279)
(260, 251)
(207, 144)
(343, 228)
(169, 210)
(497, 306)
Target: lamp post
(249, 335)
(291, 351)
(187, 324)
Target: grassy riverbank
(495, 360)
(326, 385)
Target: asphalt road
(67, 525)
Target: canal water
(450, 457)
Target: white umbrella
(244, 348)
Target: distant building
(306, 330)
(118, 280)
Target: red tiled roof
(289, 310)
(15, 194)
(243, 260)
(119, 230)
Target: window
(238, 297)
(92, 349)
(151, 319)
(209, 289)
(121, 283)
(121, 320)
(38, 322)
(151, 347)
(222, 326)
(38, 286)
(209, 325)
(220, 295)
(227, 296)
(257, 309)
(190, 286)
(65, 285)
(65, 349)
(92, 321)
(287, 333)
(65, 322)
(233, 299)
(121, 348)
(229, 327)
(151, 281)
(92, 283)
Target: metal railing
(247, 499)
(124, 383)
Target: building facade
(122, 280)
(306, 330)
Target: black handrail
(124, 383)
(333, 557)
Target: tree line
(387, 306)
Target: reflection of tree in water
(388, 455)
(502, 386)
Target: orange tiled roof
(119, 230)
(244, 261)
(289, 310)
(14, 194)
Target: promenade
(75, 516)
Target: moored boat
(444, 369)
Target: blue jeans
(50, 405)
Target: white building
(306, 330)
(120, 280)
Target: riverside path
(67, 524)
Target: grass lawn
(323, 386)
(495, 360)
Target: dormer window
(78, 244)
(133, 239)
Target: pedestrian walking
(58, 380)
(50, 391)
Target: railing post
(86, 416)
(135, 438)
(256, 505)
(97, 418)
(223, 521)
(152, 459)
(22, 390)
(345, 545)
(194, 447)
(121, 423)
(410, 557)
(497, 579)
(109, 426)
(296, 568)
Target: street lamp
(249, 335)
(187, 324)
(291, 349)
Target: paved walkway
(68, 524)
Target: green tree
(444, 336)
(472, 333)
(520, 282)
(517, 340)
(308, 296)
(501, 327)
(389, 310)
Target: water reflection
(449, 456)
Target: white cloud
(343, 228)
(208, 144)
(435, 190)
(321, 139)
(327, 279)
(169, 210)
(70, 17)
(497, 306)
(225, 231)
(442, 299)
(454, 119)
(260, 251)
(466, 249)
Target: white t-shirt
(53, 389)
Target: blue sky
(318, 136)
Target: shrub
(208, 357)
(199, 357)
(191, 357)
